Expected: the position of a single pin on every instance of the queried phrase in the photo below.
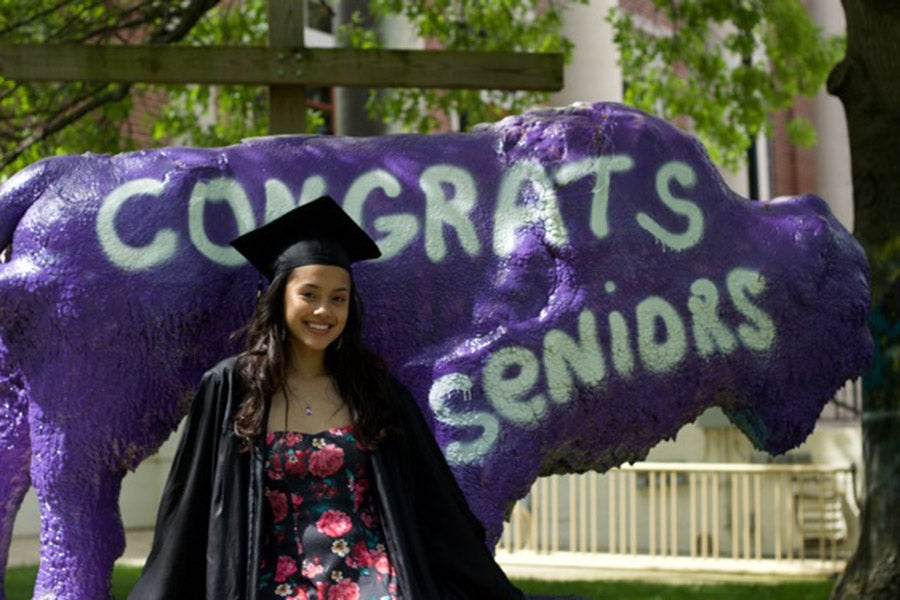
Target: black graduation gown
(210, 524)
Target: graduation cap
(316, 233)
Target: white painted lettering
(510, 215)
(509, 376)
(659, 356)
(563, 356)
(279, 199)
(453, 210)
(602, 167)
(399, 229)
(231, 192)
(620, 344)
(685, 176)
(759, 333)
(124, 256)
(469, 452)
(711, 335)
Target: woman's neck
(306, 366)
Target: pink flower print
(275, 470)
(326, 461)
(344, 590)
(368, 519)
(321, 589)
(295, 465)
(334, 523)
(296, 500)
(311, 569)
(359, 556)
(292, 438)
(285, 568)
(359, 488)
(270, 437)
(278, 502)
(381, 562)
(300, 595)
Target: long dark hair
(359, 374)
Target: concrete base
(596, 567)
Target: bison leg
(81, 529)
(15, 454)
(14, 478)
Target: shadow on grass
(639, 590)
(20, 583)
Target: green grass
(20, 582)
(639, 590)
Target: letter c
(124, 256)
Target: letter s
(462, 453)
(685, 176)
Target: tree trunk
(868, 83)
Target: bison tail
(17, 194)
(17, 289)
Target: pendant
(308, 410)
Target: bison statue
(560, 291)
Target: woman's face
(316, 305)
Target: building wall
(593, 74)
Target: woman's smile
(318, 328)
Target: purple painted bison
(560, 291)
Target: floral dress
(327, 541)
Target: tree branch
(38, 16)
(64, 119)
(173, 25)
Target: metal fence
(734, 512)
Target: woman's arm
(460, 561)
(176, 566)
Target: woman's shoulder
(226, 365)
(401, 396)
(408, 414)
(224, 370)
(218, 382)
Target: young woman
(305, 471)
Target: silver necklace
(287, 408)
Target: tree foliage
(725, 66)
(204, 115)
(42, 119)
(507, 25)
